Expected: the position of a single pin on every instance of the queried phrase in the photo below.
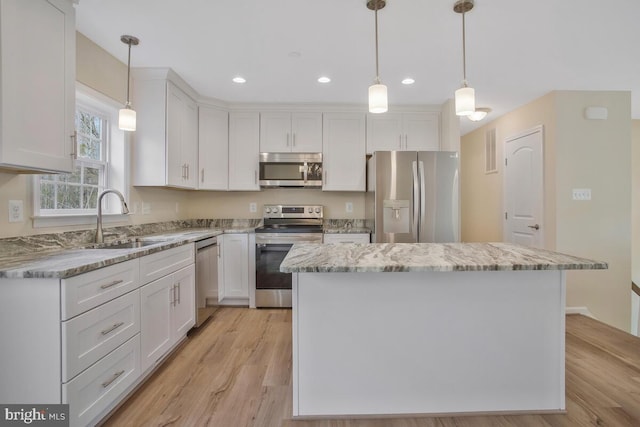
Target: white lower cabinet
(167, 313)
(156, 300)
(346, 238)
(100, 386)
(90, 336)
(88, 340)
(233, 269)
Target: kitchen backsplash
(13, 246)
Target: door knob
(535, 227)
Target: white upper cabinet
(290, 132)
(344, 158)
(37, 85)
(244, 154)
(213, 149)
(166, 140)
(403, 132)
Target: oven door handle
(274, 247)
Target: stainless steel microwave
(291, 169)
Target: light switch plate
(253, 207)
(581, 194)
(146, 208)
(16, 211)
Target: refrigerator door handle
(416, 197)
(423, 196)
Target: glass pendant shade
(465, 101)
(127, 119)
(378, 98)
(479, 114)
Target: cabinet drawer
(86, 291)
(102, 384)
(160, 264)
(346, 238)
(92, 335)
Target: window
(77, 192)
(101, 163)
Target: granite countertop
(70, 262)
(60, 256)
(346, 226)
(343, 230)
(404, 257)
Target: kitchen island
(387, 329)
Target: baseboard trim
(579, 310)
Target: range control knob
(267, 210)
(274, 209)
(317, 210)
(310, 210)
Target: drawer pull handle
(108, 285)
(112, 379)
(111, 329)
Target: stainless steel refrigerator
(413, 196)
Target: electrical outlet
(146, 208)
(349, 207)
(16, 211)
(253, 207)
(581, 194)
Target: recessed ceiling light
(408, 81)
(239, 80)
(324, 79)
(295, 54)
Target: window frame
(107, 109)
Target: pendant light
(127, 115)
(479, 114)
(465, 96)
(377, 91)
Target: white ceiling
(516, 50)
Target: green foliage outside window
(78, 191)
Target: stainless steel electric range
(284, 225)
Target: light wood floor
(236, 371)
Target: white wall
(635, 223)
(578, 153)
(220, 204)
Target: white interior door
(523, 188)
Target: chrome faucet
(125, 210)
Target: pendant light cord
(128, 74)
(464, 48)
(377, 65)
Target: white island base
(428, 342)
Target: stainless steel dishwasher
(206, 279)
